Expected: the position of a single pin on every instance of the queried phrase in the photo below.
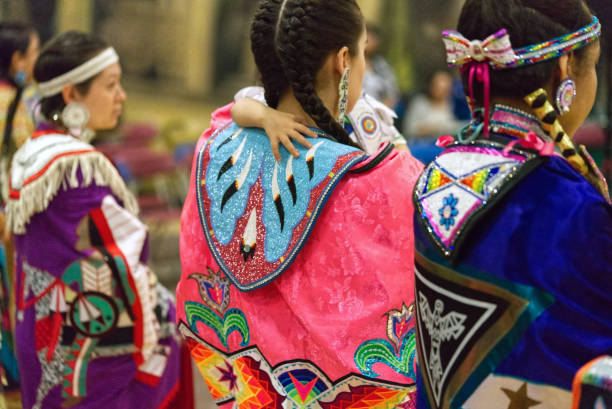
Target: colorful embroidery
(92, 311)
(295, 384)
(257, 213)
(232, 320)
(448, 211)
(75, 317)
(214, 289)
(460, 184)
(593, 384)
(398, 355)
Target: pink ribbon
(533, 141)
(480, 70)
(444, 141)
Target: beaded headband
(498, 52)
(79, 74)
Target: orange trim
(109, 242)
(577, 384)
(44, 169)
(15, 194)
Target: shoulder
(37, 155)
(556, 191)
(462, 185)
(45, 165)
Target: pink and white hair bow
(495, 49)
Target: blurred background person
(430, 116)
(19, 46)
(379, 80)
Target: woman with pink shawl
(297, 284)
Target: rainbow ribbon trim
(497, 50)
(556, 47)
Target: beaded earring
(20, 78)
(343, 89)
(566, 93)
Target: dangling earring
(20, 78)
(566, 93)
(74, 117)
(343, 89)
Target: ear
(342, 59)
(564, 66)
(70, 94)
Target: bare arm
(280, 127)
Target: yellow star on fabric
(519, 398)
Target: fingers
(304, 130)
(299, 119)
(274, 147)
(289, 146)
(298, 137)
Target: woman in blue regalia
(513, 223)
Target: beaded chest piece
(258, 213)
(466, 180)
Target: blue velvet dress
(513, 274)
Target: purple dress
(94, 328)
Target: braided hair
(304, 33)
(263, 33)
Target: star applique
(519, 398)
(227, 375)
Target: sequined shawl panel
(526, 301)
(337, 317)
(94, 328)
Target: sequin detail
(399, 353)
(257, 213)
(460, 183)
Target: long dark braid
(306, 33)
(263, 30)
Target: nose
(121, 95)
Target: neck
(288, 103)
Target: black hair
(14, 37)
(304, 34)
(528, 22)
(263, 27)
(62, 54)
